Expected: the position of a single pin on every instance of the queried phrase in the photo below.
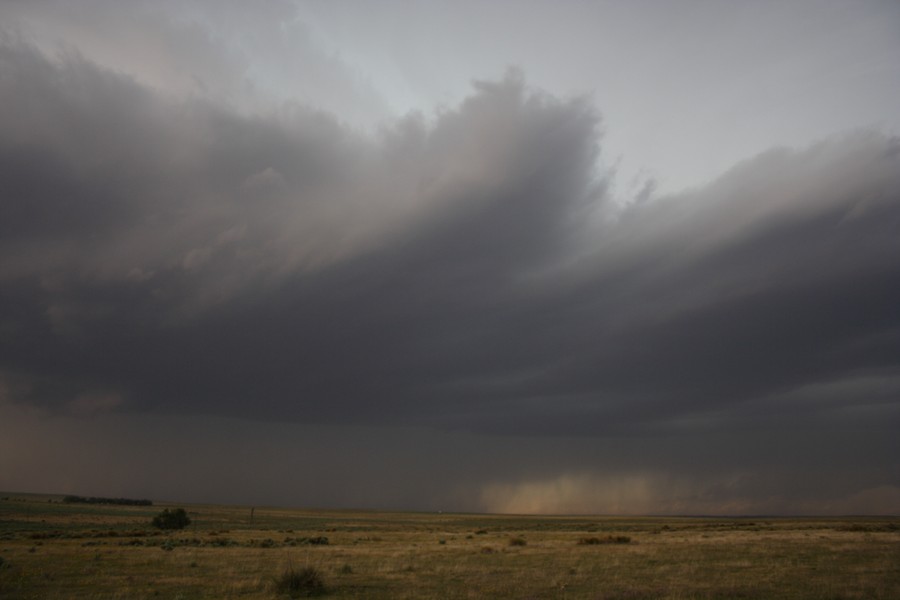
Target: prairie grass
(52, 550)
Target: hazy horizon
(163, 502)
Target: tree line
(96, 500)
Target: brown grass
(60, 551)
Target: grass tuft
(300, 583)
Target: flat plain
(50, 549)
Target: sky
(516, 257)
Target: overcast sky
(591, 257)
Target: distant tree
(172, 519)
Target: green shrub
(517, 541)
(171, 519)
(305, 582)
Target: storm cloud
(453, 285)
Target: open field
(50, 550)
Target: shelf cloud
(456, 285)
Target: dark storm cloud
(782, 273)
(179, 257)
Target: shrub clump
(317, 541)
(307, 541)
(221, 542)
(610, 539)
(305, 582)
(871, 528)
(517, 541)
(171, 519)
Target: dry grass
(57, 551)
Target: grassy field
(50, 549)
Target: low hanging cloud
(464, 272)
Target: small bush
(171, 519)
(517, 541)
(346, 569)
(305, 582)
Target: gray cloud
(466, 274)
(248, 58)
(220, 258)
